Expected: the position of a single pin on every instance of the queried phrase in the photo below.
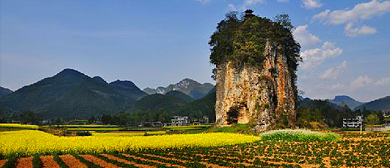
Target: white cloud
(333, 73)
(232, 7)
(283, 0)
(248, 3)
(353, 32)
(362, 11)
(360, 81)
(322, 16)
(304, 37)
(204, 1)
(315, 57)
(245, 5)
(252, 2)
(383, 81)
(311, 4)
(331, 87)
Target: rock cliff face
(263, 96)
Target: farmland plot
(353, 150)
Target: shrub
(83, 133)
(299, 135)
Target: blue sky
(345, 44)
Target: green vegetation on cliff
(242, 41)
(250, 40)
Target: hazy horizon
(157, 43)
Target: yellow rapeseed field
(138, 133)
(23, 126)
(29, 142)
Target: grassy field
(351, 150)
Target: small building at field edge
(180, 120)
(355, 122)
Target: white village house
(180, 120)
(354, 122)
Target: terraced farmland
(353, 150)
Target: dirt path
(72, 162)
(207, 164)
(153, 161)
(24, 162)
(99, 161)
(167, 158)
(49, 162)
(126, 161)
(2, 162)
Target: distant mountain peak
(69, 71)
(99, 79)
(4, 91)
(185, 83)
(342, 97)
(68, 76)
(188, 80)
(128, 89)
(344, 100)
(188, 86)
(124, 83)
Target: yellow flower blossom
(29, 142)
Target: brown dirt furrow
(24, 162)
(208, 164)
(72, 162)
(167, 158)
(363, 139)
(126, 161)
(326, 160)
(228, 157)
(99, 161)
(185, 161)
(154, 161)
(288, 163)
(49, 162)
(2, 162)
(212, 165)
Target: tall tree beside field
(372, 119)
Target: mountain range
(4, 91)
(382, 104)
(68, 93)
(187, 86)
(71, 93)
